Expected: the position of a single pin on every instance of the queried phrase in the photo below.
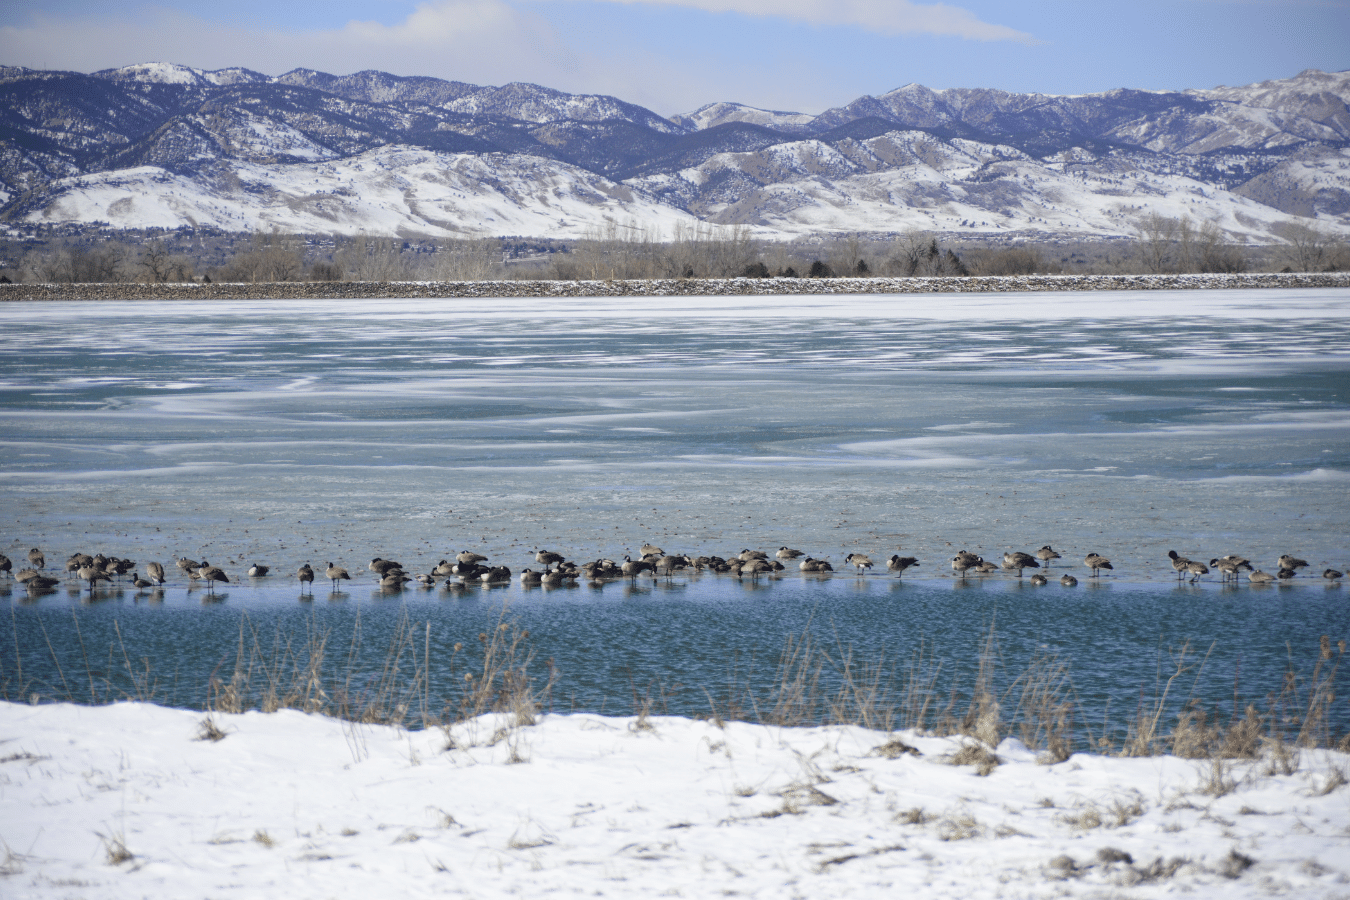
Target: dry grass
(1083, 818)
(208, 730)
(1219, 780)
(1335, 779)
(975, 755)
(893, 749)
(814, 683)
(115, 848)
(958, 826)
(263, 839)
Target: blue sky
(802, 55)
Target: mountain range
(162, 145)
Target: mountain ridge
(1250, 158)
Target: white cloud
(881, 16)
(492, 42)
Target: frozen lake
(1210, 422)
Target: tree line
(629, 251)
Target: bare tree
(1157, 242)
(1306, 248)
(71, 263)
(154, 262)
(1215, 254)
(472, 260)
(918, 254)
(365, 258)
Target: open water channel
(1209, 422)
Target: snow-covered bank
(296, 805)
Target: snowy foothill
(135, 800)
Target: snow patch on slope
(389, 191)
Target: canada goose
(671, 563)
(1196, 569)
(495, 575)
(258, 571)
(1286, 562)
(1096, 563)
(41, 583)
(815, 565)
(1068, 580)
(1019, 561)
(787, 553)
(211, 574)
(383, 567)
(754, 568)
(1225, 567)
(961, 564)
(530, 576)
(1179, 563)
(632, 568)
(1284, 574)
(1331, 574)
(306, 576)
(23, 576)
(1039, 580)
(1045, 554)
(38, 561)
(859, 561)
(427, 580)
(468, 557)
(1259, 577)
(336, 574)
(92, 575)
(601, 568)
(443, 569)
(548, 558)
(985, 567)
(557, 578)
(5, 565)
(394, 581)
(651, 550)
(747, 555)
(139, 582)
(76, 560)
(188, 565)
(898, 564)
(155, 571)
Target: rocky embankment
(362, 290)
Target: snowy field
(128, 801)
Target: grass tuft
(978, 756)
(115, 848)
(914, 816)
(958, 826)
(893, 749)
(208, 730)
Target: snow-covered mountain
(157, 144)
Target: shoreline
(374, 290)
